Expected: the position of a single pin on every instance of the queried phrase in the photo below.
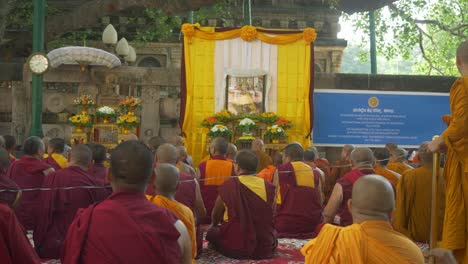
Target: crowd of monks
(149, 203)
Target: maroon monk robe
(14, 245)
(28, 173)
(150, 187)
(51, 161)
(347, 182)
(300, 210)
(250, 231)
(8, 197)
(99, 172)
(124, 228)
(58, 207)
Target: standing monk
(398, 162)
(382, 157)
(455, 140)
(263, 159)
(58, 207)
(29, 172)
(10, 146)
(413, 204)
(371, 238)
(243, 215)
(298, 182)
(166, 184)
(54, 151)
(340, 168)
(362, 160)
(126, 227)
(214, 172)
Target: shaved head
(177, 141)
(167, 153)
(372, 198)
(294, 152)
(33, 146)
(278, 159)
(399, 155)
(182, 152)
(362, 157)
(10, 142)
(346, 152)
(382, 156)
(57, 145)
(309, 155)
(247, 161)
(232, 151)
(258, 145)
(391, 146)
(425, 155)
(219, 146)
(130, 137)
(81, 155)
(131, 166)
(99, 153)
(155, 142)
(4, 160)
(167, 179)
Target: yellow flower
(309, 35)
(248, 33)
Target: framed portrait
(245, 95)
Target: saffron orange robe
(263, 160)
(298, 182)
(213, 173)
(413, 205)
(183, 213)
(124, 228)
(14, 245)
(347, 183)
(371, 242)
(267, 173)
(323, 165)
(391, 176)
(398, 167)
(58, 208)
(28, 173)
(56, 161)
(455, 228)
(247, 230)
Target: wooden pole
(434, 203)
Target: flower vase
(126, 130)
(84, 110)
(106, 120)
(79, 129)
(275, 141)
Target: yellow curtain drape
(293, 89)
(199, 63)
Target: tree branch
(456, 31)
(425, 57)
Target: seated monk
(413, 205)
(298, 182)
(213, 173)
(58, 207)
(97, 168)
(179, 141)
(126, 227)
(10, 146)
(339, 169)
(370, 239)
(268, 172)
(398, 161)
(243, 214)
(13, 195)
(322, 164)
(54, 151)
(264, 159)
(382, 157)
(155, 142)
(188, 192)
(309, 158)
(231, 152)
(182, 165)
(362, 160)
(165, 184)
(29, 172)
(130, 137)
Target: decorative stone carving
(20, 111)
(169, 108)
(53, 131)
(55, 103)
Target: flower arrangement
(283, 123)
(309, 35)
(219, 131)
(84, 101)
(127, 121)
(275, 132)
(269, 117)
(209, 122)
(82, 120)
(248, 33)
(130, 103)
(105, 111)
(224, 116)
(245, 125)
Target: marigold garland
(310, 35)
(248, 33)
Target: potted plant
(245, 125)
(84, 102)
(129, 105)
(80, 121)
(126, 122)
(209, 122)
(106, 113)
(283, 123)
(219, 131)
(275, 133)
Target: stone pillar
(20, 121)
(150, 119)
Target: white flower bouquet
(245, 125)
(219, 131)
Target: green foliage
(226, 10)
(21, 17)
(159, 26)
(435, 27)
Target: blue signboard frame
(374, 118)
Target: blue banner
(374, 118)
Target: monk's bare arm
(48, 171)
(184, 243)
(200, 209)
(333, 204)
(218, 212)
(321, 192)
